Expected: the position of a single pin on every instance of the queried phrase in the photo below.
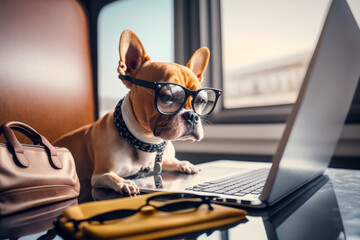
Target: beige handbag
(33, 175)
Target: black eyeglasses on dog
(174, 202)
(170, 98)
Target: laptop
(311, 132)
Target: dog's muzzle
(191, 120)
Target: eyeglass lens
(180, 206)
(172, 97)
(186, 202)
(204, 101)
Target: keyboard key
(220, 191)
(239, 194)
(231, 192)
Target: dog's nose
(191, 117)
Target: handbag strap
(32, 134)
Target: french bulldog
(164, 104)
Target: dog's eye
(201, 98)
(200, 101)
(165, 97)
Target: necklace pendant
(157, 168)
(158, 181)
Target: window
(201, 23)
(267, 46)
(152, 21)
(260, 51)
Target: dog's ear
(199, 62)
(132, 54)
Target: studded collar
(137, 143)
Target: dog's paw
(113, 181)
(128, 187)
(179, 166)
(187, 167)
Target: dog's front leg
(170, 163)
(113, 181)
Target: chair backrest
(45, 68)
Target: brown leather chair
(45, 68)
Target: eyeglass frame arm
(142, 83)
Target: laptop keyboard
(239, 185)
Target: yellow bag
(156, 220)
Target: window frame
(197, 24)
(202, 18)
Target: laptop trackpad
(215, 171)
